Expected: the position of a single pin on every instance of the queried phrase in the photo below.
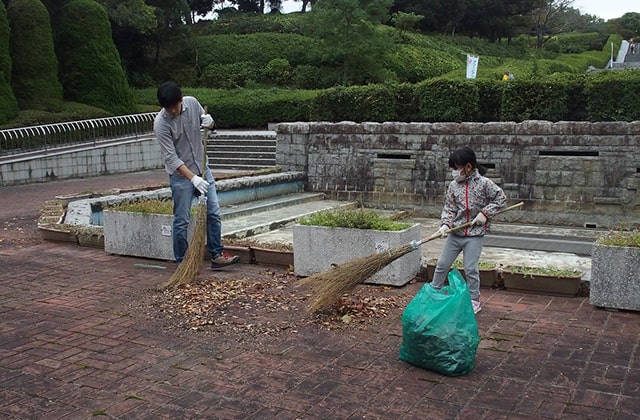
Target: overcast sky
(606, 9)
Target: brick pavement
(73, 345)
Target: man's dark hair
(169, 94)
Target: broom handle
(468, 224)
(205, 137)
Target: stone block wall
(567, 173)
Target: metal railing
(43, 138)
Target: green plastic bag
(439, 328)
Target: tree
(8, 102)
(90, 68)
(549, 19)
(34, 74)
(348, 36)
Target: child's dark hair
(464, 155)
(169, 94)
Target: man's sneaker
(476, 306)
(223, 259)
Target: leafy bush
(613, 96)
(246, 23)
(256, 48)
(356, 103)
(279, 71)
(356, 219)
(448, 100)
(229, 76)
(542, 99)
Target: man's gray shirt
(180, 138)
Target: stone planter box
(488, 276)
(140, 234)
(541, 283)
(615, 277)
(244, 252)
(316, 248)
(267, 256)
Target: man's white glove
(206, 121)
(442, 232)
(480, 219)
(200, 184)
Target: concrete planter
(316, 248)
(541, 283)
(615, 277)
(140, 234)
(267, 256)
(488, 276)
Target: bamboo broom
(193, 260)
(328, 286)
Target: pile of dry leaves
(266, 304)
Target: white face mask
(455, 173)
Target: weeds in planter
(482, 265)
(145, 206)
(356, 219)
(621, 237)
(545, 271)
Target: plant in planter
(615, 268)
(546, 280)
(328, 238)
(140, 228)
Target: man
(177, 128)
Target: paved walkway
(74, 344)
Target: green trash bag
(439, 328)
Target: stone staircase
(241, 150)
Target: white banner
(472, 66)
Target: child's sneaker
(223, 259)
(476, 305)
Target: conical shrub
(34, 76)
(90, 68)
(8, 103)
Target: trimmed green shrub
(244, 108)
(34, 77)
(90, 68)
(256, 48)
(8, 102)
(534, 99)
(356, 103)
(613, 96)
(489, 99)
(448, 100)
(229, 76)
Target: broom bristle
(328, 286)
(190, 266)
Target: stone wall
(82, 161)
(567, 173)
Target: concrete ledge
(316, 248)
(615, 278)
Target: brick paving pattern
(74, 346)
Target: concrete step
(272, 219)
(241, 150)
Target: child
(470, 197)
